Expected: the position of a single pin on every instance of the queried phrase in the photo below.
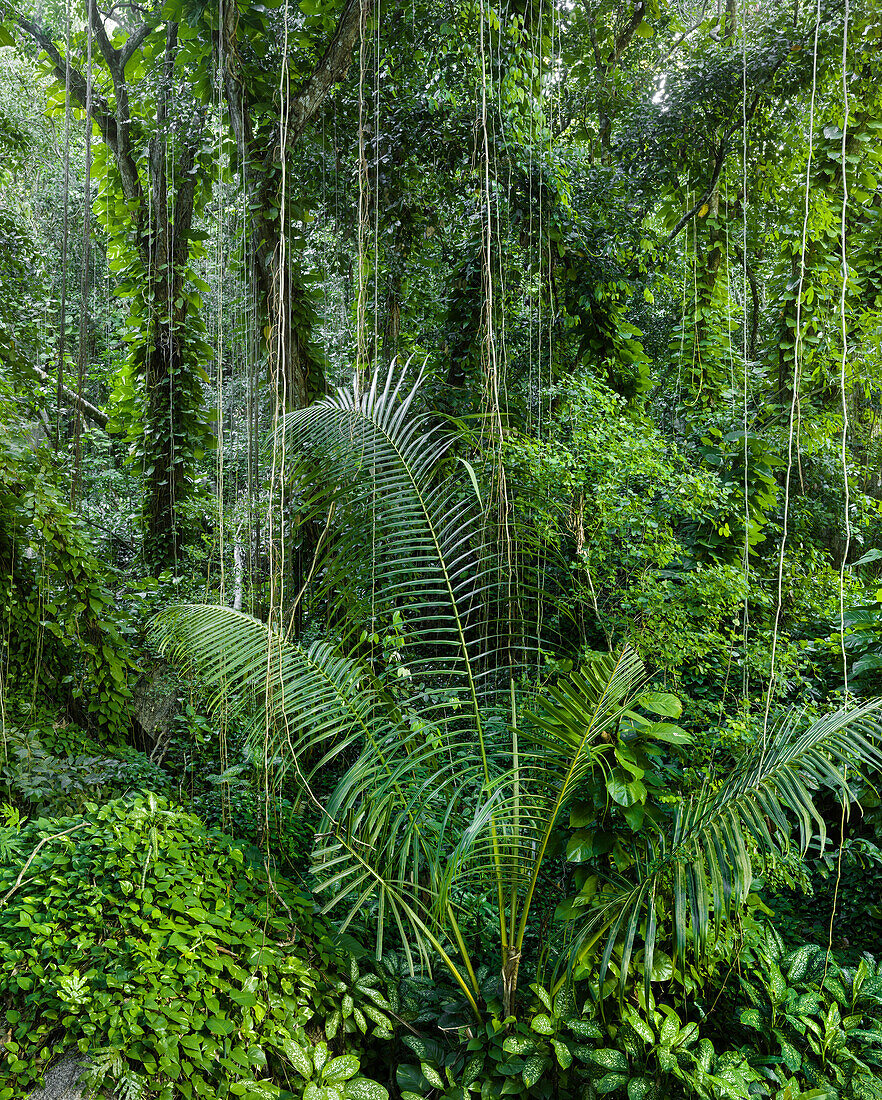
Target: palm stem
(597, 714)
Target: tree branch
(184, 203)
(111, 55)
(134, 42)
(623, 39)
(330, 70)
(681, 38)
(115, 135)
(128, 169)
(75, 400)
(101, 111)
(719, 161)
(592, 34)
(739, 123)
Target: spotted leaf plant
(329, 1078)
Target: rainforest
(440, 549)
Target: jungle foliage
(440, 538)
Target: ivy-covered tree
(153, 178)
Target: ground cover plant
(149, 943)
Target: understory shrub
(810, 1022)
(148, 941)
(792, 1024)
(56, 784)
(61, 631)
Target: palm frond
(703, 862)
(309, 704)
(409, 534)
(518, 809)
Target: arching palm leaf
(419, 538)
(702, 864)
(308, 704)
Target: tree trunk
(287, 309)
(165, 252)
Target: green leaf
(623, 791)
(473, 477)
(410, 1079)
(563, 1053)
(869, 662)
(665, 731)
(611, 1083)
(564, 1002)
(432, 1075)
(586, 844)
(340, 1069)
(422, 1048)
(472, 1069)
(609, 1058)
(585, 1029)
(670, 1029)
(255, 1090)
(298, 1056)
(661, 702)
(361, 1088)
(534, 1069)
(543, 1024)
(790, 1056)
(642, 1028)
(519, 1044)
